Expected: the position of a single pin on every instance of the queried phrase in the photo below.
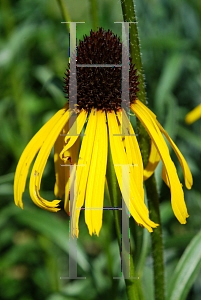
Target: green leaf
(17, 40)
(47, 78)
(186, 270)
(7, 178)
(169, 76)
(6, 189)
(53, 228)
(190, 137)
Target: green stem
(132, 285)
(144, 140)
(94, 13)
(8, 17)
(156, 238)
(64, 12)
(129, 16)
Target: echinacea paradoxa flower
(193, 115)
(99, 116)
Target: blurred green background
(34, 48)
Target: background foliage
(33, 58)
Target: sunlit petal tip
(153, 161)
(58, 192)
(169, 173)
(184, 221)
(30, 152)
(188, 178)
(90, 230)
(193, 115)
(96, 174)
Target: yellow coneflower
(99, 110)
(193, 115)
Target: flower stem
(64, 12)
(129, 16)
(144, 140)
(132, 285)
(156, 238)
(94, 13)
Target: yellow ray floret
(132, 151)
(153, 161)
(165, 177)
(59, 187)
(177, 196)
(70, 140)
(96, 179)
(130, 191)
(40, 162)
(193, 115)
(72, 153)
(29, 153)
(62, 166)
(84, 161)
(186, 171)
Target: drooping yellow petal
(59, 187)
(84, 165)
(132, 151)
(154, 159)
(177, 196)
(40, 162)
(62, 168)
(130, 191)
(187, 174)
(96, 178)
(165, 177)
(70, 140)
(72, 154)
(186, 171)
(29, 153)
(193, 115)
(67, 184)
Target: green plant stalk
(132, 285)
(129, 16)
(7, 17)
(64, 12)
(94, 13)
(156, 238)
(144, 140)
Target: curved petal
(177, 196)
(130, 191)
(186, 171)
(153, 161)
(70, 140)
(84, 162)
(165, 177)
(72, 154)
(96, 179)
(62, 168)
(40, 162)
(193, 115)
(132, 151)
(29, 153)
(59, 187)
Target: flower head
(99, 115)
